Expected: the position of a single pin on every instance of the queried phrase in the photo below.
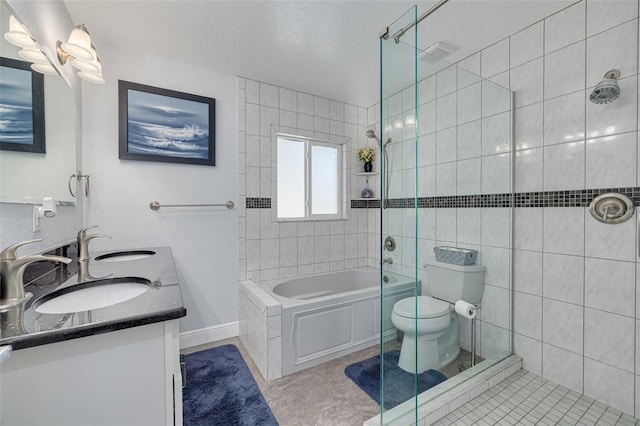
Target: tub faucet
(388, 260)
(12, 270)
(83, 242)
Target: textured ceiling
(328, 48)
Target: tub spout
(388, 260)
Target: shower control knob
(390, 243)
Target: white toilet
(430, 322)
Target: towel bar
(154, 205)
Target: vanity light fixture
(44, 69)
(33, 55)
(82, 53)
(19, 36)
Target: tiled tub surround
(270, 249)
(285, 334)
(261, 328)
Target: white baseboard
(202, 336)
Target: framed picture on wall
(164, 125)
(21, 107)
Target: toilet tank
(451, 282)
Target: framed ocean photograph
(165, 125)
(21, 107)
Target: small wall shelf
(367, 173)
(366, 199)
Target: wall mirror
(28, 177)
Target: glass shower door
(397, 128)
(446, 163)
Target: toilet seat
(428, 307)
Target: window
(309, 176)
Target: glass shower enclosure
(446, 173)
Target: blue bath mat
(221, 391)
(399, 386)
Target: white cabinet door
(123, 377)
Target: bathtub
(327, 316)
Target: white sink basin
(5, 353)
(124, 256)
(92, 295)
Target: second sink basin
(92, 295)
(123, 256)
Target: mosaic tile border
(574, 198)
(578, 198)
(258, 203)
(365, 204)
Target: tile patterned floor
(333, 399)
(323, 395)
(320, 395)
(527, 399)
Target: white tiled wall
(575, 315)
(260, 328)
(464, 148)
(270, 249)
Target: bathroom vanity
(110, 365)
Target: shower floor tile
(527, 399)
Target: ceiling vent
(434, 53)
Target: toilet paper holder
(474, 318)
(473, 336)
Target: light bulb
(79, 44)
(33, 55)
(91, 77)
(94, 66)
(47, 69)
(18, 35)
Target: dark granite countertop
(23, 327)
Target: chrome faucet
(83, 242)
(388, 260)
(12, 270)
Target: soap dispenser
(367, 192)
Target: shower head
(607, 90)
(372, 135)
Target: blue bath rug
(221, 391)
(399, 386)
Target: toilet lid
(428, 307)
